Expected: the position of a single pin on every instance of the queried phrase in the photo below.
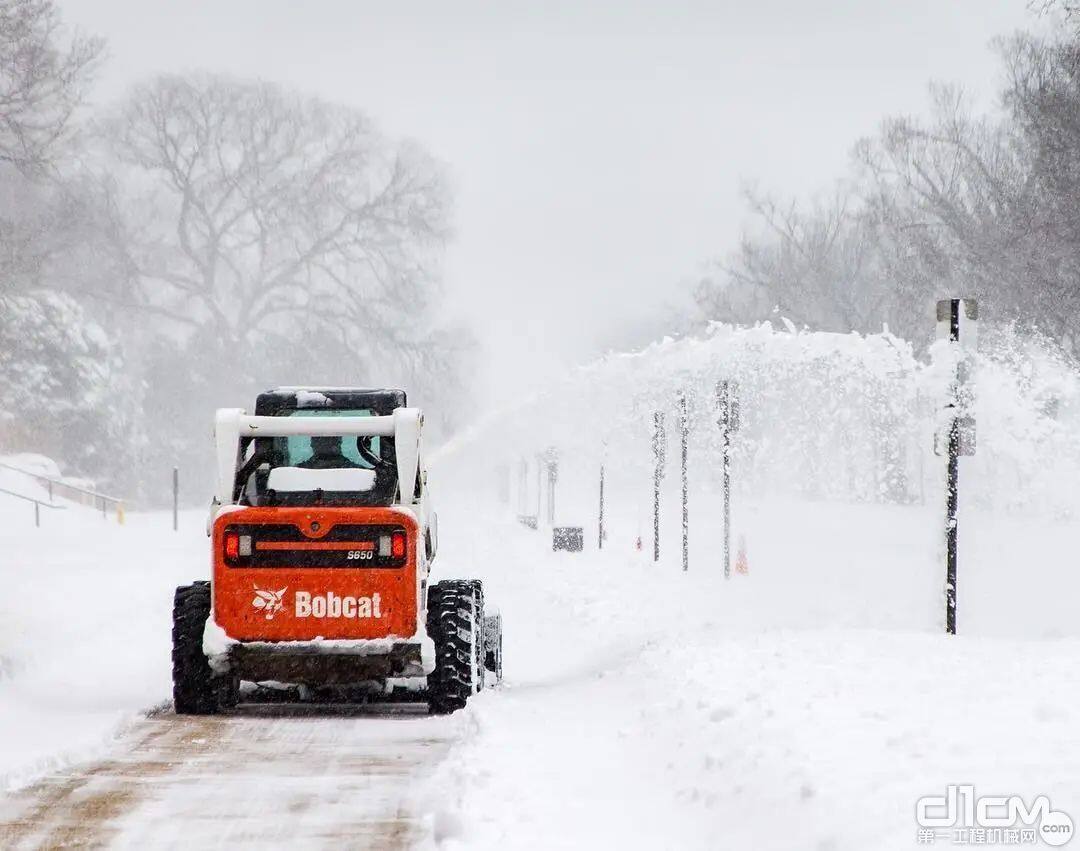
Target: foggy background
(204, 199)
(596, 151)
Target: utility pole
(658, 474)
(957, 320)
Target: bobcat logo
(268, 601)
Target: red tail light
(397, 545)
(232, 545)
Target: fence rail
(37, 503)
(58, 487)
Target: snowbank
(806, 704)
(85, 622)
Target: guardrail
(37, 503)
(58, 487)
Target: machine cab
(321, 515)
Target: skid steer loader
(322, 542)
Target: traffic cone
(742, 564)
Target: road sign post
(957, 320)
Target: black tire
(196, 691)
(455, 625)
(493, 646)
(480, 648)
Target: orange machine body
(315, 573)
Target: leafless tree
(949, 195)
(814, 266)
(44, 77)
(248, 210)
(1069, 9)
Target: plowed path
(262, 777)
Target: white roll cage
(404, 425)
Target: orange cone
(742, 564)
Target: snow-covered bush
(63, 393)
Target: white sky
(596, 148)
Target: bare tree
(1068, 9)
(248, 209)
(948, 193)
(815, 267)
(248, 206)
(248, 235)
(933, 207)
(43, 80)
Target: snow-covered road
(806, 704)
(328, 778)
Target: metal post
(951, 494)
(176, 498)
(957, 321)
(600, 534)
(950, 526)
(658, 475)
(37, 514)
(723, 398)
(684, 428)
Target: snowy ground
(674, 711)
(84, 624)
(806, 704)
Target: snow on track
(318, 777)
